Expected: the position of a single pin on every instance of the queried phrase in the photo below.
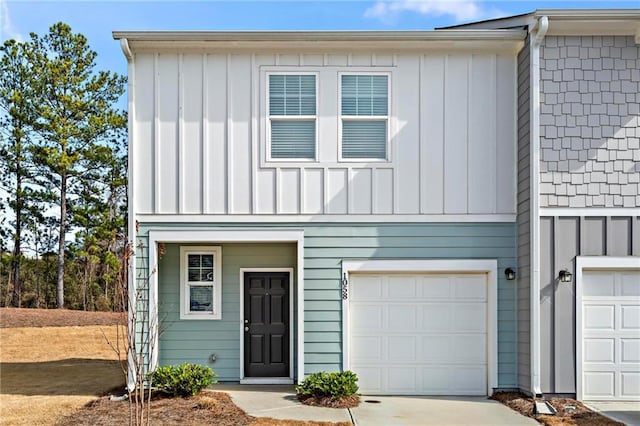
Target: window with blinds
(364, 113)
(292, 116)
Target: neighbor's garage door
(611, 335)
(419, 334)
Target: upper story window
(292, 117)
(364, 114)
(201, 282)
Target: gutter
(538, 32)
(316, 36)
(128, 54)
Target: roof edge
(325, 36)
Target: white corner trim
(486, 266)
(583, 212)
(245, 235)
(585, 263)
(268, 380)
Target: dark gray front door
(266, 336)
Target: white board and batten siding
(198, 134)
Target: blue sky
(97, 19)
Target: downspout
(538, 32)
(126, 50)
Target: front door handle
(246, 329)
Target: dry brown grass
(55, 375)
(49, 372)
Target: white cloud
(6, 27)
(460, 10)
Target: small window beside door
(200, 282)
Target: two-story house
(398, 204)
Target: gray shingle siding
(590, 122)
(523, 219)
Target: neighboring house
(578, 202)
(307, 201)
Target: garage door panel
(369, 378)
(469, 317)
(370, 289)
(435, 288)
(630, 381)
(630, 286)
(460, 349)
(436, 317)
(402, 349)
(599, 384)
(599, 350)
(630, 317)
(468, 380)
(404, 288)
(599, 317)
(402, 318)
(366, 317)
(630, 350)
(402, 379)
(366, 348)
(470, 288)
(432, 335)
(598, 284)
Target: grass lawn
(56, 368)
(47, 372)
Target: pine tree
(75, 118)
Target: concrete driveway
(280, 402)
(625, 412)
(416, 410)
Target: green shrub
(334, 385)
(183, 380)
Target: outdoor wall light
(565, 276)
(510, 274)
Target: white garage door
(419, 334)
(611, 335)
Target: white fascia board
(318, 36)
(593, 14)
(288, 218)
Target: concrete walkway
(417, 410)
(280, 402)
(625, 412)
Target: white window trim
(185, 307)
(343, 118)
(487, 266)
(267, 380)
(246, 235)
(269, 118)
(593, 263)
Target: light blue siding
(326, 246)
(195, 340)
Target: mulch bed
(581, 415)
(344, 402)
(23, 317)
(206, 408)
